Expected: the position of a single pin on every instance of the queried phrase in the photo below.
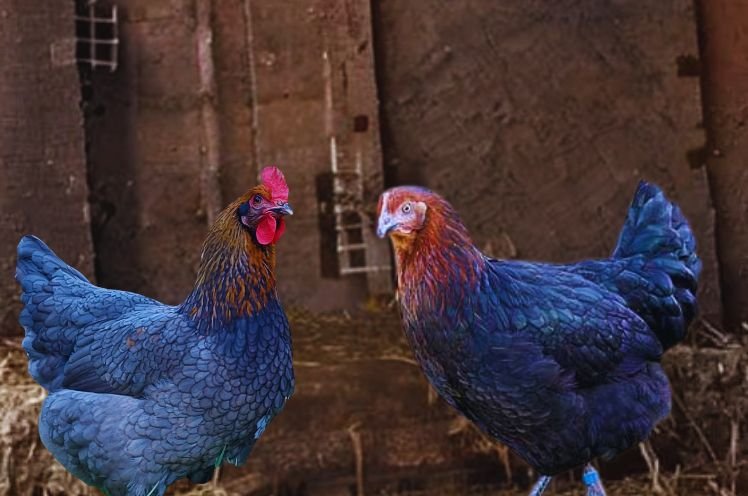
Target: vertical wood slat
(210, 188)
(363, 103)
(147, 152)
(725, 86)
(156, 139)
(294, 127)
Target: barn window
(351, 246)
(349, 221)
(97, 34)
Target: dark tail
(658, 241)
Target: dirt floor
(363, 421)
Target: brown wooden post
(310, 73)
(724, 44)
(363, 114)
(210, 188)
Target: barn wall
(144, 150)
(295, 120)
(42, 165)
(537, 119)
(147, 144)
(467, 89)
(459, 88)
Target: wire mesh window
(97, 34)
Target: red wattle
(279, 230)
(266, 230)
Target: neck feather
(439, 261)
(235, 278)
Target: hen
(559, 362)
(141, 393)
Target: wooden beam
(724, 45)
(210, 188)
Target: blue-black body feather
(141, 393)
(558, 361)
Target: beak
(282, 209)
(385, 225)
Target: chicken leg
(539, 488)
(591, 479)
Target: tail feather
(60, 306)
(660, 248)
(36, 258)
(48, 288)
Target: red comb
(272, 178)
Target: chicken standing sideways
(559, 362)
(141, 393)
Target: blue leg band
(590, 478)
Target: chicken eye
(406, 208)
(256, 200)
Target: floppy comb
(272, 178)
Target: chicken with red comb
(141, 393)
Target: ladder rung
(362, 270)
(352, 247)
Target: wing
(588, 330)
(126, 355)
(60, 306)
(661, 291)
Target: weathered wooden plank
(43, 186)
(147, 147)
(146, 151)
(298, 110)
(726, 98)
(537, 118)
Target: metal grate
(96, 35)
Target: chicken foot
(539, 488)
(591, 479)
